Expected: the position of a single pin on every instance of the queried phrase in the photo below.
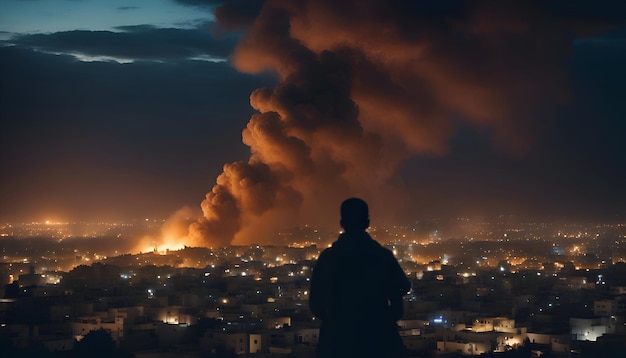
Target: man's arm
(396, 308)
(319, 285)
(399, 285)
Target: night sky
(130, 109)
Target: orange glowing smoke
(174, 234)
(364, 85)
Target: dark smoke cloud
(364, 85)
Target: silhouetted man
(356, 290)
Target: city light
(454, 273)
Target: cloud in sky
(121, 31)
(62, 15)
(133, 43)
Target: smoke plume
(364, 85)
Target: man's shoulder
(375, 245)
(386, 253)
(326, 254)
(378, 252)
(383, 254)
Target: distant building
(413, 327)
(84, 325)
(309, 336)
(618, 290)
(604, 307)
(463, 347)
(238, 343)
(30, 279)
(277, 322)
(488, 324)
(170, 334)
(589, 329)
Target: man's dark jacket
(356, 290)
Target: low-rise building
(84, 325)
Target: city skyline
(131, 110)
(503, 287)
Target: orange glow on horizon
(160, 245)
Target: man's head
(354, 215)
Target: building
(84, 325)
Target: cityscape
(479, 287)
(312, 178)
